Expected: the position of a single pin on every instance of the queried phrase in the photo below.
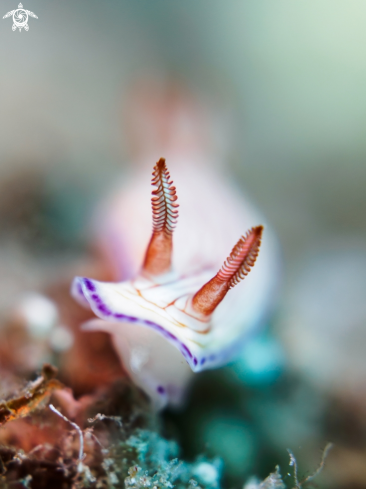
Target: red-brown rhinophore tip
(165, 215)
(235, 268)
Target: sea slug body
(184, 308)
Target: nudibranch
(166, 324)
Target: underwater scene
(183, 245)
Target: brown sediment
(31, 397)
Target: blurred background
(285, 84)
